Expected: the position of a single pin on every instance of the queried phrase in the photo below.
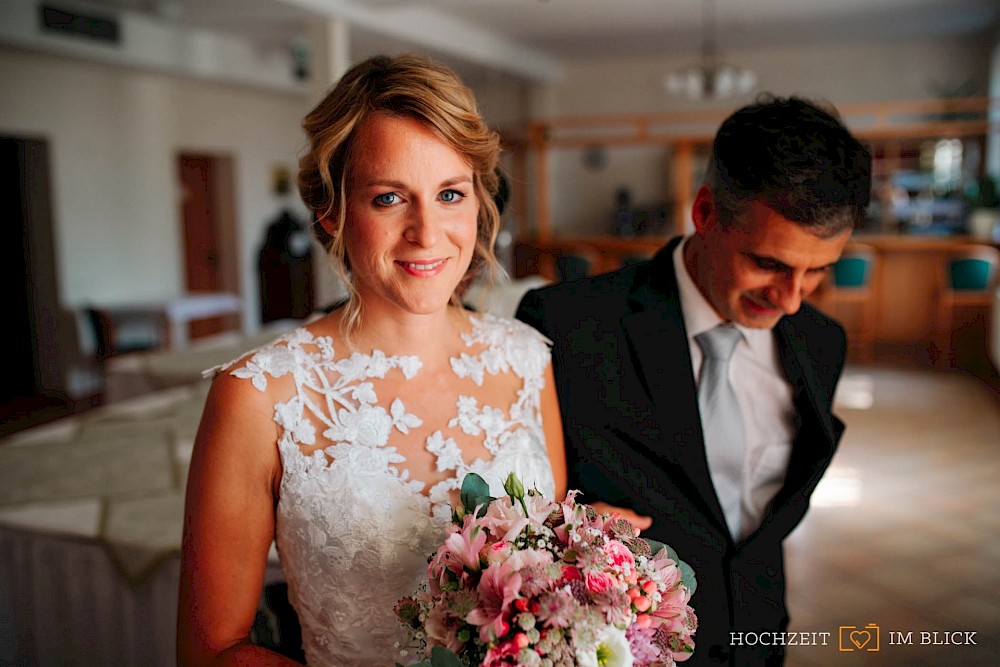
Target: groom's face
(759, 267)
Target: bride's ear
(329, 225)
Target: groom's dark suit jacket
(634, 438)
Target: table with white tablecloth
(91, 515)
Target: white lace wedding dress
(354, 528)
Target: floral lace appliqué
(353, 528)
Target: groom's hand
(640, 522)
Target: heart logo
(860, 638)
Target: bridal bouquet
(521, 580)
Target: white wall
(115, 132)
(114, 135)
(849, 72)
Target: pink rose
(438, 631)
(599, 582)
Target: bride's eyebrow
(399, 185)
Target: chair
(571, 266)
(632, 260)
(107, 339)
(965, 279)
(572, 262)
(851, 284)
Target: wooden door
(208, 232)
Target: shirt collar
(699, 315)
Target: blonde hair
(413, 87)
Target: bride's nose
(422, 226)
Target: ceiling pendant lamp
(710, 78)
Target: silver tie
(721, 420)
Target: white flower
(401, 419)
(492, 421)
(325, 345)
(378, 364)
(368, 427)
(410, 365)
(468, 366)
(289, 417)
(527, 357)
(273, 361)
(610, 650)
(364, 393)
(352, 369)
(449, 456)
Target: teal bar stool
(967, 279)
(572, 267)
(849, 297)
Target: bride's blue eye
(387, 199)
(451, 196)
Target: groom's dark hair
(795, 157)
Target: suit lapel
(817, 438)
(659, 353)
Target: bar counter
(906, 282)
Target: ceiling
(535, 38)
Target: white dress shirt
(764, 395)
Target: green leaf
(655, 547)
(687, 572)
(475, 493)
(442, 657)
(687, 575)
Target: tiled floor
(904, 531)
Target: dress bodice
(354, 527)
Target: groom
(720, 449)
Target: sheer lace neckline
(335, 414)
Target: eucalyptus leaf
(475, 493)
(442, 657)
(687, 572)
(687, 575)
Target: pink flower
(509, 577)
(460, 550)
(498, 588)
(539, 509)
(599, 582)
(672, 611)
(556, 609)
(499, 552)
(440, 632)
(466, 544)
(503, 654)
(619, 555)
(529, 559)
(504, 520)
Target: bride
(346, 440)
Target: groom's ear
(703, 213)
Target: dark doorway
(17, 338)
(35, 335)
